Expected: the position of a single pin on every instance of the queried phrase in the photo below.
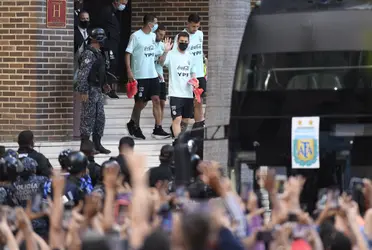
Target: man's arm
(87, 60)
(128, 52)
(162, 59)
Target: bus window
(310, 70)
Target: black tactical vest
(97, 74)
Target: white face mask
(155, 27)
(121, 7)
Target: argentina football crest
(305, 142)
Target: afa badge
(305, 142)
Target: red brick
(27, 75)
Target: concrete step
(146, 130)
(51, 150)
(146, 112)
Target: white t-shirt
(195, 49)
(159, 50)
(180, 71)
(142, 48)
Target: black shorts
(203, 85)
(163, 91)
(147, 88)
(181, 107)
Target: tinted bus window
(311, 70)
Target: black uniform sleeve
(44, 167)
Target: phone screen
(37, 203)
(181, 195)
(356, 184)
(264, 236)
(333, 195)
(280, 180)
(167, 221)
(67, 214)
(122, 213)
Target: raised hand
(168, 45)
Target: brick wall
(36, 67)
(172, 13)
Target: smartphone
(322, 198)
(121, 208)
(300, 231)
(12, 219)
(280, 181)
(37, 203)
(181, 195)
(246, 189)
(66, 218)
(333, 195)
(264, 236)
(167, 221)
(292, 217)
(356, 184)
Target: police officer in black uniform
(75, 186)
(10, 167)
(92, 83)
(26, 149)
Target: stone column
(227, 20)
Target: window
(311, 71)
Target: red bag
(132, 88)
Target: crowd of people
(120, 205)
(145, 56)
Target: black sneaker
(137, 134)
(112, 94)
(159, 133)
(131, 126)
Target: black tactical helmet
(12, 167)
(78, 161)
(98, 34)
(64, 160)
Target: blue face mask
(155, 27)
(121, 7)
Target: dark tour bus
(300, 59)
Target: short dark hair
(25, 138)
(183, 34)
(161, 27)
(148, 18)
(194, 18)
(83, 11)
(126, 141)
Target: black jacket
(78, 38)
(161, 173)
(44, 167)
(110, 23)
